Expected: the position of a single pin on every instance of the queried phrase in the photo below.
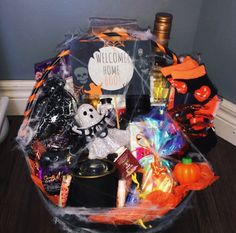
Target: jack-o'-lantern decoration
(186, 172)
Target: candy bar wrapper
(64, 190)
(62, 69)
(126, 163)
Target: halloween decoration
(107, 108)
(102, 139)
(81, 74)
(187, 172)
(193, 90)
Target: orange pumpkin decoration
(187, 172)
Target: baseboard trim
(225, 121)
(18, 92)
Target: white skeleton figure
(107, 108)
(99, 147)
(81, 74)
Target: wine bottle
(159, 84)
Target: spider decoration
(53, 113)
(113, 38)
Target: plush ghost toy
(102, 140)
(87, 116)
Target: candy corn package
(105, 153)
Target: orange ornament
(187, 172)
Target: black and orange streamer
(40, 82)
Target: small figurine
(101, 138)
(107, 108)
(187, 172)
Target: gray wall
(216, 40)
(30, 29)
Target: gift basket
(108, 133)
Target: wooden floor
(21, 210)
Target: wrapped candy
(157, 176)
(161, 132)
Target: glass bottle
(159, 84)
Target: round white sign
(111, 67)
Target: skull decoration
(81, 74)
(87, 116)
